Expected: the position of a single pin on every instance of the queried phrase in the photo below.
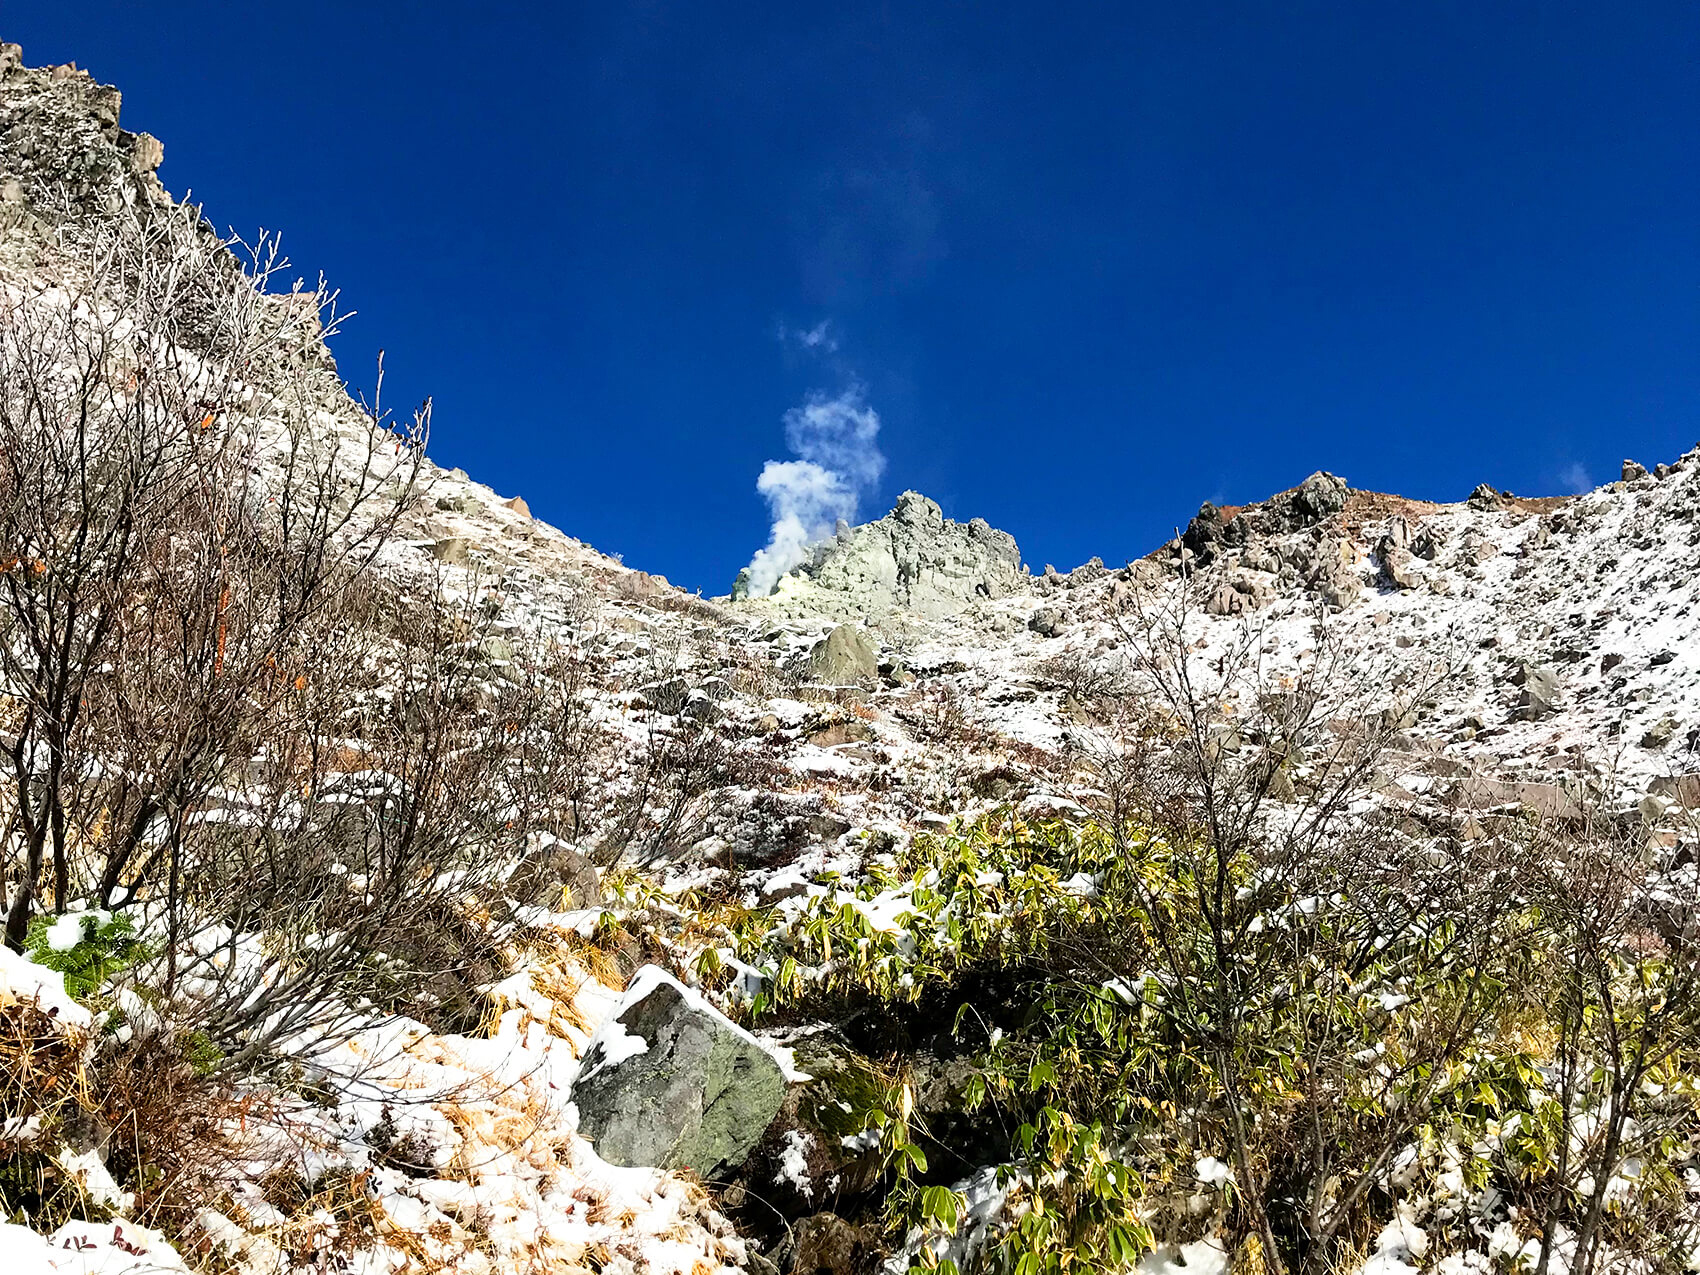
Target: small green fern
(88, 948)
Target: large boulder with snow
(670, 1082)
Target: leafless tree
(664, 805)
(1288, 902)
(129, 480)
(294, 769)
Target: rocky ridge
(63, 152)
(914, 561)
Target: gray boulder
(1682, 790)
(1256, 587)
(1485, 497)
(700, 706)
(452, 552)
(1541, 693)
(668, 695)
(1339, 592)
(1551, 801)
(1313, 501)
(147, 153)
(844, 657)
(1320, 496)
(1397, 565)
(1225, 601)
(669, 1082)
(1334, 575)
(1426, 544)
(1047, 622)
(1659, 734)
(1475, 548)
(1242, 592)
(554, 873)
(1206, 533)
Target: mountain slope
(738, 777)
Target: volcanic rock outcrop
(63, 155)
(914, 559)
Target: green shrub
(1358, 1034)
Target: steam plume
(836, 442)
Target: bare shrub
(165, 1128)
(665, 805)
(305, 779)
(1619, 978)
(157, 573)
(1085, 680)
(936, 709)
(1287, 912)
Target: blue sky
(1089, 264)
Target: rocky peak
(1319, 497)
(914, 559)
(63, 156)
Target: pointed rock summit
(914, 559)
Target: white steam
(836, 441)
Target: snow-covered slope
(1554, 638)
